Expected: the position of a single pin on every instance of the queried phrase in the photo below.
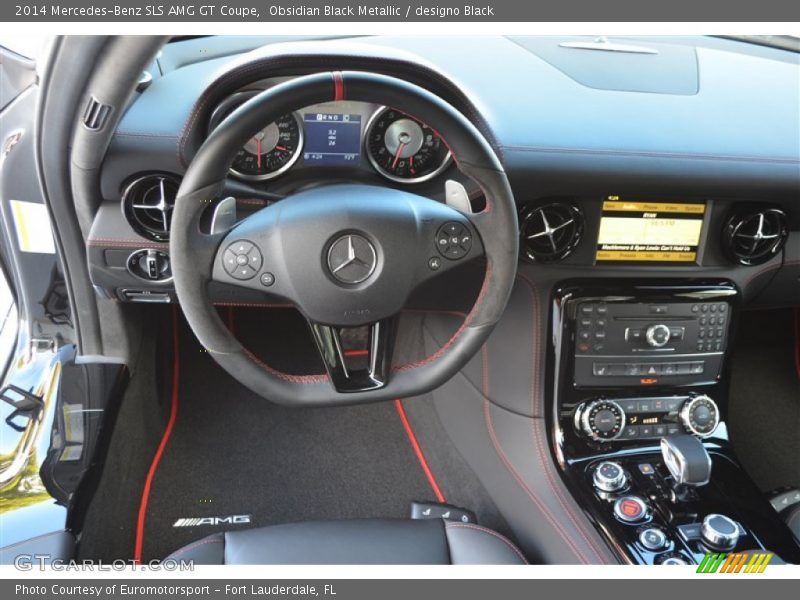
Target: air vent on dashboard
(550, 231)
(147, 203)
(753, 236)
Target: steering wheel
(344, 255)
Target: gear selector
(687, 461)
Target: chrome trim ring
(427, 177)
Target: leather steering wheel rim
(194, 253)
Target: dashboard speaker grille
(754, 236)
(148, 202)
(550, 231)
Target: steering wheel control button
(609, 477)
(453, 240)
(653, 538)
(435, 263)
(267, 279)
(719, 532)
(241, 260)
(352, 259)
(630, 509)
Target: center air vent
(550, 231)
(753, 236)
(148, 202)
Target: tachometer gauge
(271, 151)
(403, 149)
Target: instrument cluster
(342, 134)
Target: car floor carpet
(232, 453)
(765, 399)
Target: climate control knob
(609, 477)
(700, 415)
(601, 420)
(657, 335)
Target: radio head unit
(622, 342)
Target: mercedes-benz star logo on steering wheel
(352, 259)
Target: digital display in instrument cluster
(333, 139)
(643, 231)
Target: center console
(639, 392)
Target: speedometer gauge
(403, 149)
(271, 151)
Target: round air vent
(754, 236)
(550, 231)
(147, 203)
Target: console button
(659, 430)
(672, 404)
(719, 532)
(646, 469)
(602, 310)
(587, 309)
(668, 369)
(697, 368)
(700, 415)
(689, 532)
(657, 335)
(630, 509)
(654, 369)
(646, 431)
(653, 538)
(658, 309)
(609, 477)
(631, 432)
(629, 406)
(600, 369)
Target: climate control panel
(608, 420)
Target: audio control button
(657, 336)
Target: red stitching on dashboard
(487, 414)
(467, 321)
(543, 450)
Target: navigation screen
(332, 139)
(634, 231)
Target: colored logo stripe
(733, 563)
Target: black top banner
(415, 11)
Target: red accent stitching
(543, 450)
(286, 376)
(338, 86)
(203, 542)
(423, 462)
(173, 416)
(467, 321)
(531, 494)
(502, 538)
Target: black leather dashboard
(708, 119)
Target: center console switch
(624, 341)
(646, 418)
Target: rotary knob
(700, 415)
(657, 335)
(609, 477)
(719, 532)
(601, 420)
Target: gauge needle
(258, 152)
(281, 148)
(397, 155)
(411, 165)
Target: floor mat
(765, 399)
(232, 453)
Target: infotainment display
(332, 139)
(644, 231)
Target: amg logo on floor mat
(231, 520)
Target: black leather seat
(429, 542)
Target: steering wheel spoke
(358, 359)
